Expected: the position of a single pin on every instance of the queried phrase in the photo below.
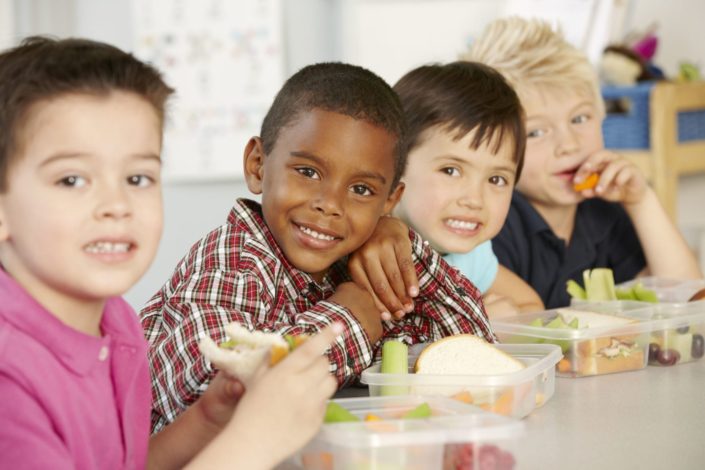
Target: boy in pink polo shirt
(80, 220)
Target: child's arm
(447, 303)
(280, 412)
(384, 267)
(203, 303)
(667, 253)
(179, 442)
(510, 294)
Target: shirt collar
(76, 350)
(247, 215)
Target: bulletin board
(225, 60)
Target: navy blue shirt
(603, 237)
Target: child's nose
(113, 203)
(472, 197)
(328, 202)
(567, 142)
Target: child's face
(456, 197)
(82, 215)
(563, 129)
(324, 186)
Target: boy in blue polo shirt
(554, 231)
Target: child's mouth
(567, 175)
(462, 227)
(103, 247)
(316, 239)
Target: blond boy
(553, 231)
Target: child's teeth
(314, 234)
(462, 225)
(108, 247)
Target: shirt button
(103, 354)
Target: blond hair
(533, 56)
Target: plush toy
(622, 66)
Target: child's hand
(284, 406)
(220, 399)
(383, 266)
(620, 180)
(362, 306)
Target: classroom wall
(312, 33)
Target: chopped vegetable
(588, 183)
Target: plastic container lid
(537, 357)
(633, 325)
(668, 290)
(451, 422)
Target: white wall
(313, 32)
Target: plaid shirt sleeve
(199, 303)
(447, 304)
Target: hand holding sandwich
(281, 409)
(254, 426)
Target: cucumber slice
(420, 412)
(336, 413)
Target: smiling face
(563, 130)
(456, 197)
(324, 186)
(82, 215)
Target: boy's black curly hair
(341, 88)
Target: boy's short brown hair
(462, 97)
(42, 68)
(533, 56)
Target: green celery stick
(395, 360)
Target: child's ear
(253, 165)
(394, 198)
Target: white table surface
(648, 419)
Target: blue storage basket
(691, 125)
(629, 130)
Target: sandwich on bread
(614, 351)
(246, 350)
(465, 355)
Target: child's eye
(362, 190)
(141, 181)
(534, 133)
(499, 180)
(580, 119)
(450, 171)
(308, 172)
(72, 181)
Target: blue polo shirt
(603, 237)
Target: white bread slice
(244, 359)
(465, 355)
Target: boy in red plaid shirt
(327, 166)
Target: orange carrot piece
(588, 183)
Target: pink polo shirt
(69, 400)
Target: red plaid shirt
(238, 273)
